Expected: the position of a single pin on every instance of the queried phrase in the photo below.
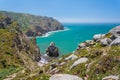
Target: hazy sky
(68, 10)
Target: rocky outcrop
(115, 42)
(115, 31)
(5, 22)
(34, 25)
(71, 57)
(105, 41)
(64, 77)
(96, 37)
(115, 36)
(79, 61)
(52, 50)
(112, 77)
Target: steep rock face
(16, 50)
(34, 25)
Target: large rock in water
(64, 77)
(115, 31)
(52, 50)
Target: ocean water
(68, 39)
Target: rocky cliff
(17, 52)
(34, 25)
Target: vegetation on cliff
(16, 51)
(34, 25)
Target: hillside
(33, 25)
(17, 52)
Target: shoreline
(52, 32)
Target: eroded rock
(116, 42)
(105, 41)
(52, 50)
(112, 77)
(72, 57)
(97, 37)
(115, 31)
(64, 77)
(79, 61)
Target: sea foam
(52, 32)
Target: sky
(67, 10)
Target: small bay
(68, 39)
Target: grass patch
(8, 71)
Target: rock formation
(64, 77)
(52, 50)
(33, 25)
(115, 31)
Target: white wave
(52, 32)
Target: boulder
(79, 61)
(72, 57)
(64, 77)
(105, 41)
(90, 42)
(63, 63)
(116, 42)
(82, 45)
(115, 31)
(52, 50)
(53, 65)
(97, 37)
(112, 77)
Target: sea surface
(74, 33)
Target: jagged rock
(53, 65)
(62, 63)
(112, 77)
(90, 42)
(97, 37)
(81, 45)
(64, 77)
(115, 42)
(52, 50)
(54, 71)
(115, 31)
(5, 22)
(105, 41)
(72, 57)
(79, 61)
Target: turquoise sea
(68, 39)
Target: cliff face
(16, 50)
(34, 25)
